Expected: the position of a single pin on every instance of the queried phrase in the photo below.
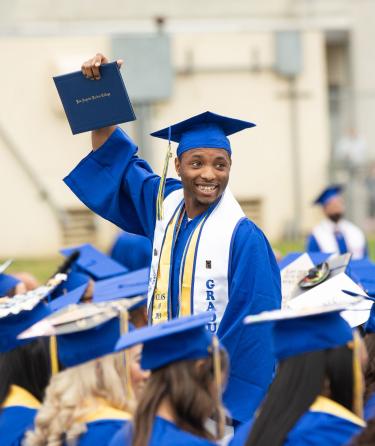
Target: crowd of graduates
(80, 366)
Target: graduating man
(334, 234)
(207, 256)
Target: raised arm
(112, 180)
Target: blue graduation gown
(314, 428)
(99, 432)
(17, 416)
(164, 433)
(370, 407)
(132, 251)
(122, 188)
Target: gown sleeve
(119, 186)
(254, 286)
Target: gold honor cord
(124, 328)
(357, 374)
(53, 355)
(219, 386)
(160, 197)
(160, 298)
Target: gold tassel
(160, 197)
(357, 375)
(219, 387)
(124, 328)
(53, 355)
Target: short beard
(335, 217)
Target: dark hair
(299, 380)
(189, 392)
(370, 366)
(27, 366)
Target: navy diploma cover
(93, 104)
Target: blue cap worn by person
(175, 340)
(327, 194)
(70, 298)
(206, 130)
(93, 262)
(83, 332)
(21, 312)
(7, 283)
(296, 332)
(74, 280)
(124, 286)
(132, 250)
(316, 258)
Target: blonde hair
(74, 393)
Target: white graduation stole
(354, 237)
(204, 267)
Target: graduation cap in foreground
(21, 312)
(83, 332)
(298, 331)
(206, 130)
(175, 340)
(327, 194)
(93, 262)
(127, 285)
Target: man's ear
(177, 165)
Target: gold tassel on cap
(53, 355)
(357, 375)
(160, 197)
(124, 328)
(219, 387)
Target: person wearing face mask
(334, 234)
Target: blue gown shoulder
(14, 422)
(99, 432)
(369, 408)
(312, 429)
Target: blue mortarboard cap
(83, 332)
(7, 283)
(132, 250)
(95, 263)
(305, 330)
(327, 194)
(124, 286)
(76, 348)
(316, 258)
(72, 297)
(14, 324)
(74, 280)
(176, 340)
(206, 130)
(362, 271)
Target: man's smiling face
(204, 174)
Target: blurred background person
(334, 234)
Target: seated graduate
(334, 234)
(316, 397)
(132, 250)
(24, 371)
(184, 389)
(95, 395)
(369, 394)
